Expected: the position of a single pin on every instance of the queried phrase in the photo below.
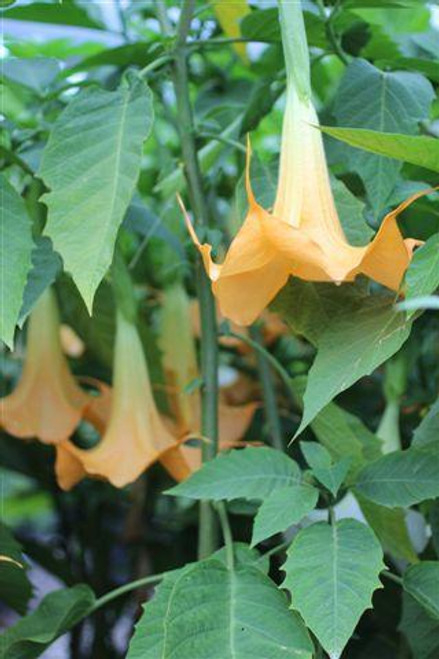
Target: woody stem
(209, 346)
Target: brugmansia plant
(219, 265)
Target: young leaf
(56, 614)
(283, 508)
(418, 150)
(331, 573)
(206, 610)
(15, 257)
(251, 473)
(401, 479)
(16, 588)
(388, 102)
(91, 164)
(421, 581)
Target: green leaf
(251, 473)
(426, 67)
(351, 346)
(46, 266)
(422, 277)
(283, 508)
(57, 613)
(389, 103)
(421, 630)
(418, 150)
(427, 433)
(59, 13)
(421, 581)
(207, 610)
(351, 214)
(16, 588)
(15, 257)
(390, 527)
(35, 73)
(331, 573)
(401, 479)
(92, 179)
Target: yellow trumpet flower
(302, 235)
(135, 436)
(180, 365)
(47, 403)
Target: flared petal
(135, 437)
(47, 403)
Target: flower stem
(295, 47)
(268, 390)
(209, 346)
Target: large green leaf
(91, 164)
(207, 610)
(16, 588)
(56, 614)
(331, 573)
(422, 277)
(389, 103)
(422, 582)
(351, 346)
(15, 257)
(251, 473)
(283, 508)
(401, 479)
(416, 149)
(421, 630)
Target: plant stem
(268, 356)
(156, 64)
(128, 587)
(392, 577)
(227, 533)
(224, 140)
(275, 550)
(268, 391)
(209, 346)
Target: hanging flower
(180, 366)
(302, 236)
(47, 403)
(135, 436)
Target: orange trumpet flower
(47, 403)
(135, 436)
(302, 236)
(180, 365)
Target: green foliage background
(90, 154)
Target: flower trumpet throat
(47, 403)
(302, 236)
(135, 436)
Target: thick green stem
(268, 391)
(209, 346)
